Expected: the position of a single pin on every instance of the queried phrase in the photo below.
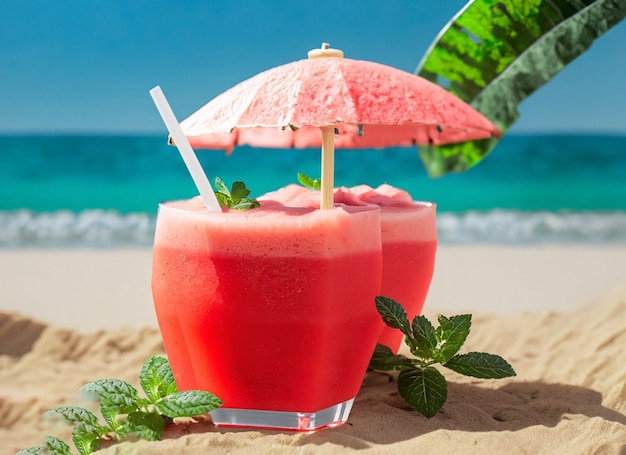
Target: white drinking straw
(184, 147)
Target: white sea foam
(511, 226)
(93, 228)
(107, 228)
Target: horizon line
(121, 133)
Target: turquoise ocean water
(103, 191)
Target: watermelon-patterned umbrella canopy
(355, 104)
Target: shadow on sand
(380, 416)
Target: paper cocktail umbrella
(355, 104)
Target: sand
(557, 313)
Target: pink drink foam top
(397, 206)
(272, 230)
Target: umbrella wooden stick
(328, 167)
(328, 139)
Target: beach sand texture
(569, 395)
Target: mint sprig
(235, 197)
(420, 384)
(126, 413)
(308, 182)
(51, 445)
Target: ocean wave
(512, 226)
(109, 228)
(63, 228)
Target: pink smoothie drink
(409, 242)
(270, 309)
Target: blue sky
(76, 66)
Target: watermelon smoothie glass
(409, 241)
(270, 309)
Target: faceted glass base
(283, 420)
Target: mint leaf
(156, 379)
(85, 441)
(52, 446)
(421, 385)
(87, 432)
(189, 403)
(112, 392)
(239, 191)
(480, 365)
(111, 414)
(125, 412)
(36, 450)
(393, 314)
(451, 334)
(146, 425)
(384, 359)
(424, 334)
(234, 198)
(246, 204)
(308, 182)
(220, 187)
(425, 390)
(75, 415)
(222, 193)
(55, 446)
(222, 199)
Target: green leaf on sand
(451, 334)
(493, 55)
(480, 365)
(146, 425)
(425, 390)
(111, 415)
(421, 385)
(124, 411)
(425, 335)
(114, 392)
(85, 441)
(38, 450)
(189, 403)
(56, 446)
(75, 415)
(393, 314)
(156, 378)
(384, 359)
(52, 446)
